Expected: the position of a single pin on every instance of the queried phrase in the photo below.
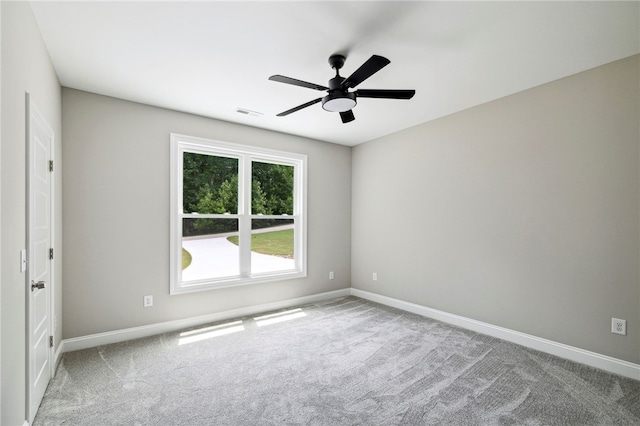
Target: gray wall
(116, 215)
(522, 213)
(25, 68)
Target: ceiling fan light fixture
(339, 102)
(339, 99)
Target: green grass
(186, 259)
(277, 243)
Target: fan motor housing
(335, 82)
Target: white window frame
(180, 144)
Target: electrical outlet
(331, 275)
(619, 326)
(375, 276)
(147, 301)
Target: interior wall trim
(592, 359)
(99, 339)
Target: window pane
(206, 250)
(272, 245)
(271, 189)
(209, 184)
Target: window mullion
(244, 209)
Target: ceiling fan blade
(347, 116)
(299, 107)
(295, 82)
(374, 64)
(385, 94)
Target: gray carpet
(342, 362)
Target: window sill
(204, 285)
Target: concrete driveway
(217, 257)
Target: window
(237, 214)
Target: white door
(39, 282)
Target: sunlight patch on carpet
(279, 317)
(204, 333)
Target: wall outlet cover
(619, 326)
(147, 301)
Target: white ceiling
(211, 58)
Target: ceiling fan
(339, 98)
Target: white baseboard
(93, 340)
(593, 359)
(57, 356)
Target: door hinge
(50, 165)
(50, 341)
(50, 254)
